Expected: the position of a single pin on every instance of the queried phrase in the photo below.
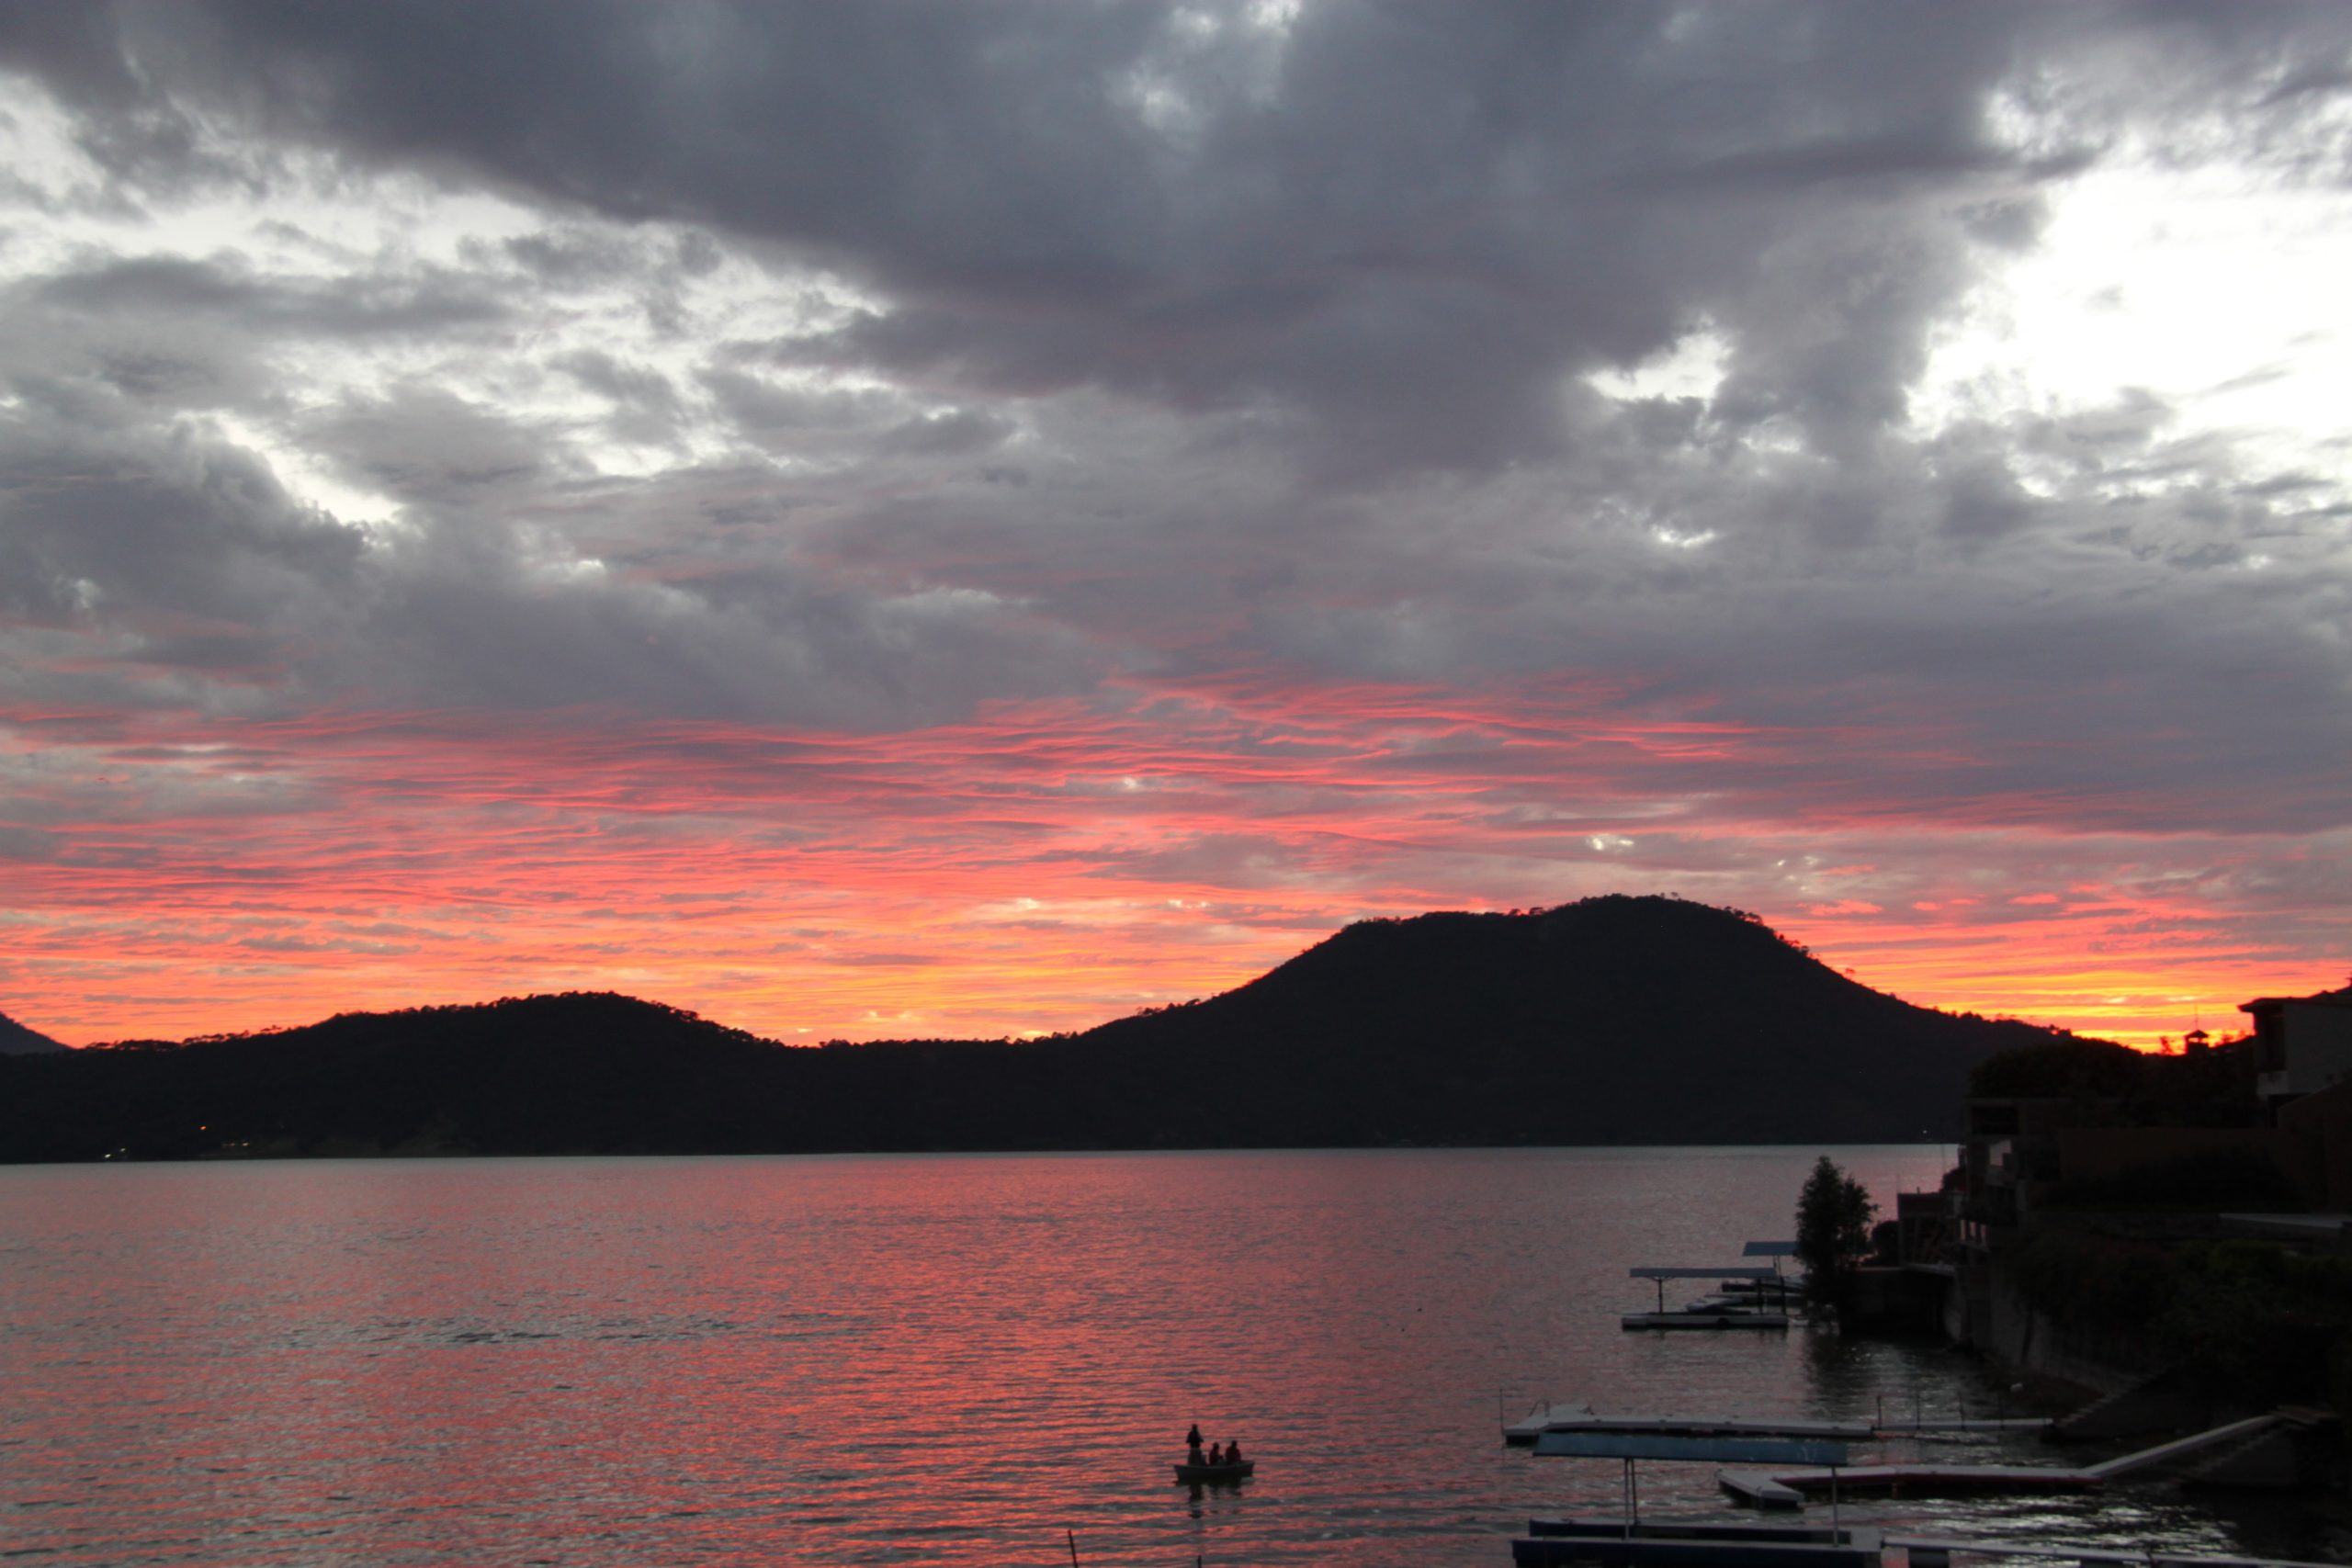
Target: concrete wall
(2002, 1327)
(2316, 1145)
(2097, 1154)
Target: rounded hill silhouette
(1615, 1020)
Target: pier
(1937, 1552)
(1678, 1544)
(1704, 1316)
(1692, 1543)
(1768, 1488)
(1717, 1311)
(1566, 1417)
(1583, 1418)
(1772, 1463)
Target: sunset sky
(871, 520)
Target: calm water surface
(904, 1359)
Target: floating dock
(1935, 1552)
(1789, 1488)
(1713, 1311)
(1770, 1488)
(1583, 1418)
(1756, 1455)
(1931, 1425)
(1678, 1544)
(1701, 1318)
(1758, 1489)
(1732, 1274)
(1569, 1417)
(1686, 1544)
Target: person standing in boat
(1193, 1443)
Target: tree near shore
(1833, 1226)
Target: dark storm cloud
(179, 571)
(107, 341)
(646, 406)
(1283, 330)
(953, 432)
(365, 306)
(486, 622)
(1410, 224)
(769, 411)
(423, 443)
(1399, 231)
(92, 521)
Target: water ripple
(935, 1360)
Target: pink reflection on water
(949, 1360)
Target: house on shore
(2301, 1044)
(2097, 1151)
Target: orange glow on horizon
(1042, 866)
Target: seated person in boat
(1217, 1455)
(1233, 1453)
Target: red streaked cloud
(1084, 529)
(1043, 866)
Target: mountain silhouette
(17, 1040)
(1615, 1020)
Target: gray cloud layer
(1164, 341)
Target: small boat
(1215, 1472)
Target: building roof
(2339, 997)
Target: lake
(962, 1359)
